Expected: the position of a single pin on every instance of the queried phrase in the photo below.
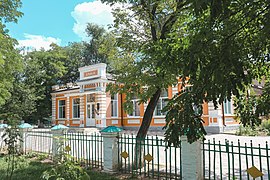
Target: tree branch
(244, 25)
(172, 19)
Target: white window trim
(161, 98)
(162, 115)
(225, 104)
(134, 101)
(116, 106)
(72, 109)
(59, 109)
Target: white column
(24, 134)
(56, 141)
(192, 165)
(68, 116)
(82, 104)
(53, 110)
(102, 100)
(110, 147)
(1, 139)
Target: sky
(57, 21)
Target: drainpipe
(122, 113)
(223, 116)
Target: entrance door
(90, 114)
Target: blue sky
(58, 21)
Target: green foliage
(224, 52)
(32, 170)
(266, 126)
(217, 46)
(92, 53)
(9, 10)
(12, 139)
(246, 131)
(183, 108)
(143, 63)
(264, 100)
(246, 110)
(21, 103)
(43, 69)
(64, 168)
(9, 58)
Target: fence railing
(230, 160)
(38, 141)
(86, 148)
(222, 159)
(157, 159)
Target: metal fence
(38, 141)
(158, 159)
(230, 160)
(222, 159)
(86, 148)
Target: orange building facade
(87, 104)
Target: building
(87, 104)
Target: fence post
(56, 141)
(57, 136)
(110, 147)
(192, 165)
(1, 139)
(23, 134)
(24, 128)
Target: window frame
(114, 102)
(227, 107)
(78, 106)
(63, 107)
(165, 98)
(134, 102)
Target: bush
(266, 126)
(64, 168)
(246, 131)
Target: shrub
(246, 131)
(266, 126)
(64, 168)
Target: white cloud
(36, 42)
(91, 12)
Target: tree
(9, 57)
(22, 102)
(143, 64)
(217, 46)
(75, 55)
(43, 70)
(92, 53)
(228, 47)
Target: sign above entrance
(91, 73)
(88, 86)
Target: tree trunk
(148, 114)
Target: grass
(28, 169)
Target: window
(90, 98)
(227, 104)
(162, 102)
(61, 109)
(114, 105)
(187, 88)
(136, 108)
(76, 108)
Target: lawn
(28, 169)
